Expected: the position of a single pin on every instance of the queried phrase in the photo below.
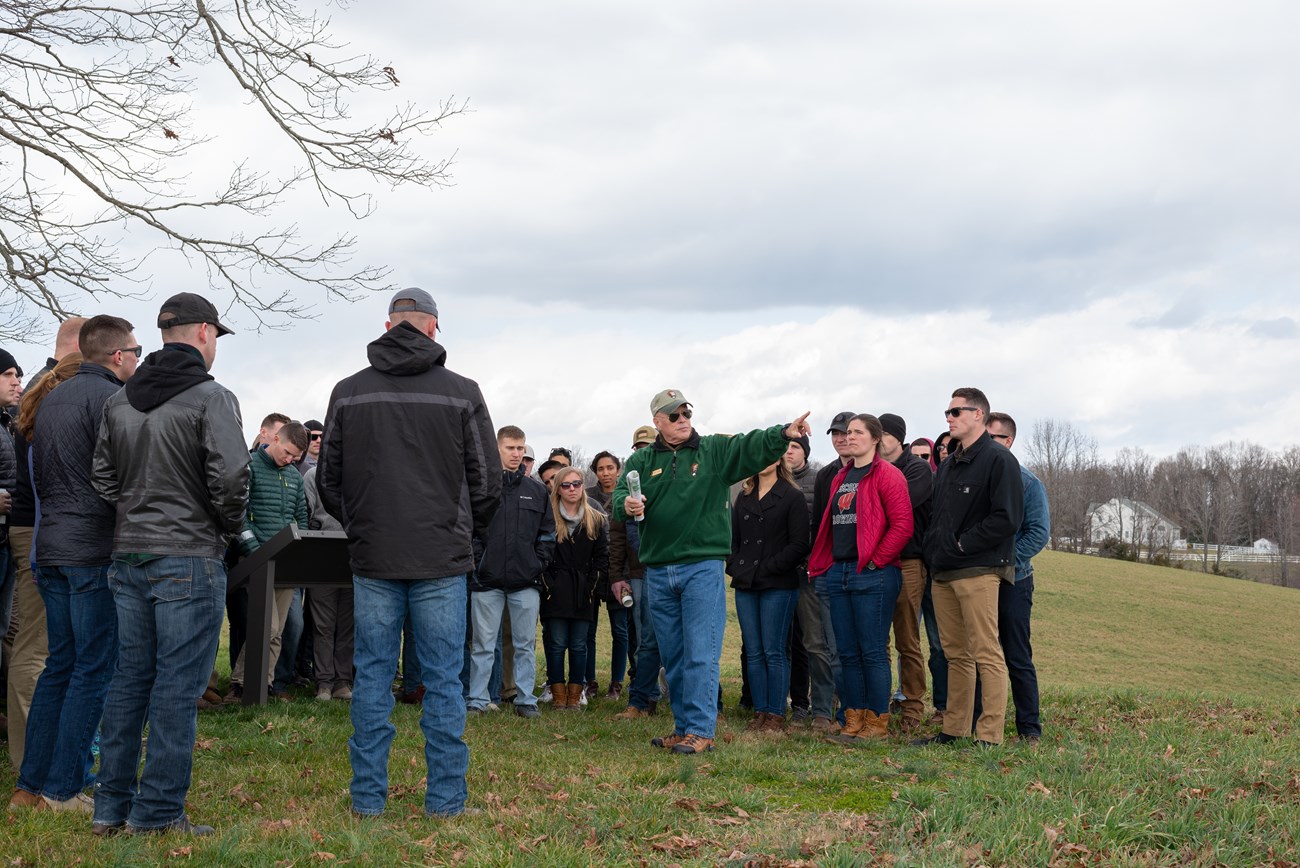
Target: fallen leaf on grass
(1052, 833)
(893, 764)
(492, 777)
(559, 736)
(559, 796)
(527, 846)
(180, 852)
(692, 805)
(204, 743)
(1169, 752)
(269, 726)
(323, 856)
(1039, 787)
(277, 825)
(726, 821)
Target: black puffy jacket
(171, 456)
(520, 541)
(76, 523)
(576, 575)
(409, 462)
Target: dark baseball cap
(184, 308)
(413, 300)
(840, 423)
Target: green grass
(1169, 740)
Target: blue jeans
(618, 652)
(862, 610)
(486, 611)
(286, 665)
(688, 603)
(437, 611)
(765, 618)
(494, 682)
(645, 686)
(561, 635)
(69, 699)
(938, 662)
(168, 624)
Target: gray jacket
(173, 462)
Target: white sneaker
(492, 706)
(546, 695)
(80, 802)
(582, 698)
(323, 694)
(342, 692)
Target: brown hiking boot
(668, 741)
(757, 722)
(775, 723)
(693, 744)
(854, 720)
(575, 696)
(615, 690)
(936, 719)
(559, 696)
(823, 724)
(631, 713)
(23, 799)
(875, 726)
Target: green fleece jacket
(688, 507)
(275, 498)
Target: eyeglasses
(924, 456)
(135, 351)
(999, 436)
(574, 484)
(315, 435)
(954, 412)
(679, 414)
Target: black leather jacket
(174, 462)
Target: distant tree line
(1231, 494)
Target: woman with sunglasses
(941, 448)
(769, 540)
(855, 562)
(580, 566)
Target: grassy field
(1170, 739)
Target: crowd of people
(128, 491)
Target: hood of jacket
(164, 374)
(405, 351)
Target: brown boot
(854, 719)
(757, 722)
(559, 696)
(875, 726)
(776, 723)
(575, 696)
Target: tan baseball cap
(667, 401)
(644, 435)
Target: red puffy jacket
(884, 519)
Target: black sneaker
(107, 830)
(183, 826)
(941, 738)
(528, 711)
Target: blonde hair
(66, 369)
(782, 472)
(592, 518)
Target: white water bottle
(634, 489)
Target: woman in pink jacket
(855, 566)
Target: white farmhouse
(1133, 522)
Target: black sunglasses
(135, 351)
(954, 412)
(679, 414)
(315, 435)
(575, 484)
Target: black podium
(293, 558)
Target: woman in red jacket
(855, 565)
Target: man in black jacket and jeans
(971, 549)
(407, 466)
(514, 551)
(74, 551)
(171, 457)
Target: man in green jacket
(275, 498)
(685, 515)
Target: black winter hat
(7, 361)
(894, 425)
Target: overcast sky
(1088, 210)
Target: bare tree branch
(96, 126)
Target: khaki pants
(30, 646)
(279, 614)
(907, 639)
(967, 610)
